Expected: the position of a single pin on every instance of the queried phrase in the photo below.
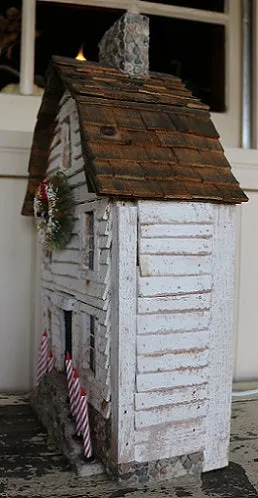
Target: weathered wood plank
(145, 401)
(171, 230)
(66, 269)
(123, 359)
(172, 361)
(55, 153)
(162, 380)
(166, 343)
(162, 286)
(221, 338)
(167, 245)
(78, 179)
(151, 212)
(173, 322)
(104, 257)
(77, 166)
(169, 441)
(151, 265)
(67, 256)
(168, 414)
(74, 242)
(174, 303)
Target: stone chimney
(125, 46)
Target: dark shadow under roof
(141, 138)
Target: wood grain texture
(221, 338)
(123, 360)
(173, 320)
(170, 440)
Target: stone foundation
(49, 401)
(125, 46)
(169, 468)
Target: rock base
(49, 401)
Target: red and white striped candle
(51, 362)
(83, 426)
(75, 393)
(42, 366)
(69, 372)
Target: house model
(143, 294)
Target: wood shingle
(141, 138)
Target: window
(196, 35)
(49, 319)
(68, 331)
(177, 47)
(66, 130)
(88, 241)
(92, 344)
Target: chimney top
(125, 46)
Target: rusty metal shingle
(147, 138)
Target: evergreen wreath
(53, 210)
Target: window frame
(86, 272)
(228, 122)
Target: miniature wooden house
(143, 294)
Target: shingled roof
(142, 138)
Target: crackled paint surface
(31, 468)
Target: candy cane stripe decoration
(42, 366)
(83, 426)
(51, 362)
(75, 393)
(69, 373)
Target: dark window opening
(212, 5)
(49, 319)
(89, 241)
(61, 29)
(92, 344)
(193, 51)
(66, 144)
(68, 331)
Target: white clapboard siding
(56, 152)
(74, 242)
(168, 441)
(104, 241)
(46, 274)
(77, 179)
(166, 343)
(80, 194)
(162, 286)
(76, 167)
(161, 264)
(91, 310)
(151, 212)
(188, 302)
(66, 269)
(168, 414)
(96, 302)
(173, 322)
(177, 231)
(76, 151)
(172, 361)
(165, 245)
(56, 138)
(176, 396)
(104, 257)
(66, 256)
(55, 165)
(163, 380)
